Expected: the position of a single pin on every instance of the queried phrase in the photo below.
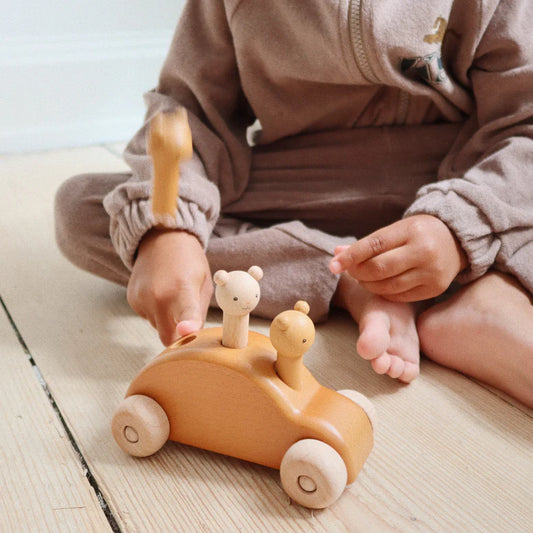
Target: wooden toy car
(237, 392)
(258, 403)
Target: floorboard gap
(85, 467)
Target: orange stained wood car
(258, 403)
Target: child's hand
(411, 260)
(170, 284)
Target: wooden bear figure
(237, 293)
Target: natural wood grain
(42, 486)
(169, 144)
(449, 454)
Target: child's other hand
(413, 259)
(170, 284)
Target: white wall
(72, 72)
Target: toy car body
(236, 392)
(232, 401)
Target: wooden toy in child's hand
(257, 402)
(169, 143)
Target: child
(409, 129)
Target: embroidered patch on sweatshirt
(428, 67)
(439, 29)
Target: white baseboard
(53, 134)
(76, 90)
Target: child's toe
(397, 367)
(381, 364)
(411, 371)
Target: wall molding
(72, 90)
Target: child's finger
(386, 265)
(372, 245)
(166, 327)
(193, 306)
(185, 327)
(336, 266)
(188, 308)
(416, 294)
(394, 285)
(344, 260)
(341, 248)
(184, 308)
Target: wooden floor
(450, 455)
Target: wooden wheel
(140, 426)
(313, 474)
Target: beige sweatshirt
(305, 66)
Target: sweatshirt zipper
(356, 38)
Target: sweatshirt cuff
(467, 222)
(129, 208)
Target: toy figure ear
(302, 306)
(221, 277)
(283, 323)
(256, 272)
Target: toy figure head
(292, 332)
(237, 293)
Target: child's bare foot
(485, 330)
(387, 330)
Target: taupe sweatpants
(295, 211)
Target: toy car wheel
(140, 426)
(363, 402)
(313, 474)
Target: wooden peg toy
(169, 143)
(257, 402)
(237, 293)
(292, 333)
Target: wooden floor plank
(450, 455)
(42, 484)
